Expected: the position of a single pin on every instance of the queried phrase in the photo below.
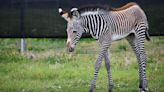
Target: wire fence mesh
(40, 18)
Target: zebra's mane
(100, 9)
(91, 9)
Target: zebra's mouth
(70, 49)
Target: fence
(40, 18)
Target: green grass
(48, 67)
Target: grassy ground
(47, 67)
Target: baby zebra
(107, 25)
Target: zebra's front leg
(107, 64)
(97, 67)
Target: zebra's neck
(94, 24)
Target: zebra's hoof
(143, 90)
(90, 90)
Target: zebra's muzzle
(70, 49)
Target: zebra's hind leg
(107, 64)
(137, 43)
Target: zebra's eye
(74, 31)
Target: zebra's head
(74, 28)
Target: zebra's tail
(147, 35)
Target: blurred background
(40, 18)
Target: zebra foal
(107, 25)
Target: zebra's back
(123, 22)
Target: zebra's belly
(120, 36)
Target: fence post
(23, 46)
(22, 13)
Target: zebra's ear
(64, 14)
(75, 12)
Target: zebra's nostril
(70, 49)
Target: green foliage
(47, 67)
